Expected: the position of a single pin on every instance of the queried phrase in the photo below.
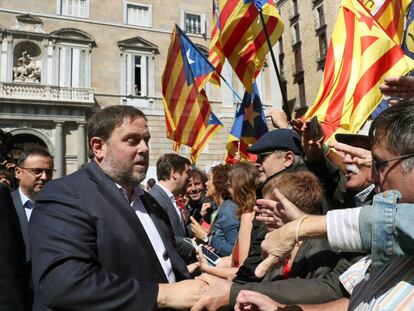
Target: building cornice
(95, 22)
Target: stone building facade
(62, 59)
(302, 49)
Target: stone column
(49, 62)
(81, 145)
(6, 59)
(59, 157)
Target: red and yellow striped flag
(214, 125)
(390, 15)
(176, 147)
(187, 110)
(241, 37)
(215, 55)
(359, 57)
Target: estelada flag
(187, 110)
(215, 54)
(390, 15)
(249, 125)
(214, 125)
(360, 56)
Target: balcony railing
(29, 91)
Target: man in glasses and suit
(34, 169)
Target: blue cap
(280, 139)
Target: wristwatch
(205, 239)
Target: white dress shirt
(173, 201)
(27, 204)
(151, 230)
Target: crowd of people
(308, 226)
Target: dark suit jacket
(183, 248)
(89, 249)
(24, 227)
(13, 294)
(313, 268)
(24, 223)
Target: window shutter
(144, 76)
(182, 20)
(129, 74)
(75, 68)
(203, 24)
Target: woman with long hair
(243, 178)
(224, 223)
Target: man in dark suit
(98, 241)
(12, 257)
(172, 174)
(34, 169)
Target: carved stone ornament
(27, 69)
(29, 23)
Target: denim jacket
(225, 229)
(387, 227)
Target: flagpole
(228, 84)
(279, 78)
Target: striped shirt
(390, 287)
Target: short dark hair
(169, 162)
(7, 174)
(197, 172)
(103, 123)
(395, 127)
(151, 182)
(32, 149)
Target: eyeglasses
(261, 157)
(38, 172)
(379, 165)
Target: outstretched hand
(181, 295)
(400, 87)
(254, 301)
(276, 213)
(217, 295)
(277, 245)
(360, 157)
(278, 117)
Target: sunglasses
(261, 157)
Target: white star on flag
(190, 61)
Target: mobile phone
(211, 257)
(315, 131)
(197, 216)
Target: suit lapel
(115, 198)
(151, 208)
(161, 221)
(21, 213)
(170, 209)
